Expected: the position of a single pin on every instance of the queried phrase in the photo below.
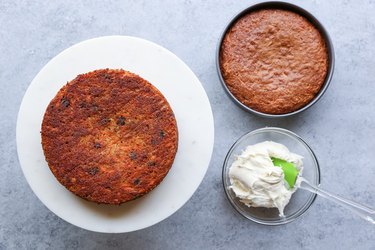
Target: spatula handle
(364, 212)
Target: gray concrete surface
(340, 128)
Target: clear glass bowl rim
(302, 210)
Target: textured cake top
(273, 61)
(109, 136)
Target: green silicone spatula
(290, 171)
(291, 174)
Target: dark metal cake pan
(309, 17)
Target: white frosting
(257, 182)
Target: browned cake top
(109, 136)
(273, 61)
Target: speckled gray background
(340, 128)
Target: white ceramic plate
(187, 98)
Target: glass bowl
(301, 200)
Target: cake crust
(274, 61)
(109, 136)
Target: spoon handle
(364, 212)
